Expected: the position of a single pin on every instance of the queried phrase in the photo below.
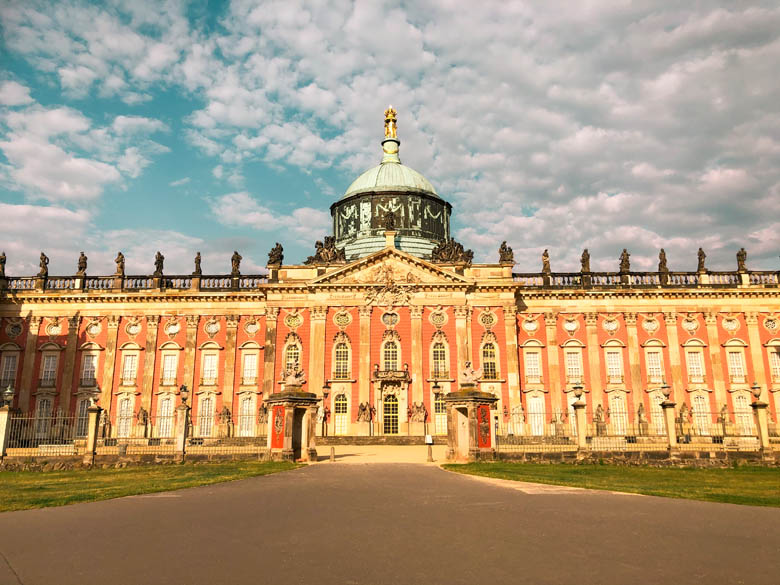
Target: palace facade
(381, 319)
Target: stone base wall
(649, 458)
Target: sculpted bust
(469, 376)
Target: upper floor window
(533, 366)
(129, 368)
(292, 357)
(8, 370)
(736, 361)
(695, 361)
(614, 366)
(390, 355)
(88, 368)
(249, 368)
(209, 374)
(49, 369)
(439, 360)
(341, 361)
(573, 361)
(489, 362)
(170, 363)
(655, 369)
(774, 363)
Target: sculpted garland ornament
(293, 320)
(771, 324)
(53, 329)
(342, 319)
(133, 328)
(172, 327)
(252, 327)
(650, 324)
(487, 319)
(13, 329)
(571, 326)
(530, 325)
(211, 327)
(731, 324)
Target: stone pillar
(364, 366)
(757, 355)
(762, 424)
(109, 366)
(190, 346)
(470, 424)
(635, 371)
(713, 344)
(5, 428)
(28, 363)
(293, 420)
(512, 366)
(269, 353)
(671, 430)
(582, 424)
(71, 345)
(462, 337)
(150, 357)
(594, 359)
(229, 380)
(417, 357)
(675, 380)
(316, 374)
(182, 429)
(93, 420)
(553, 362)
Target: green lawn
(20, 490)
(755, 486)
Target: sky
(219, 126)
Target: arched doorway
(340, 414)
(390, 415)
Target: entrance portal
(390, 415)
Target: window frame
(487, 375)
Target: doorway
(390, 415)
(297, 432)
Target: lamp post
(756, 390)
(325, 394)
(8, 396)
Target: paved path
(376, 524)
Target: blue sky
(217, 126)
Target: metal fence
(32, 435)
(536, 433)
(616, 431)
(716, 431)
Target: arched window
(246, 417)
(390, 415)
(489, 362)
(618, 415)
(743, 415)
(165, 418)
(390, 355)
(701, 415)
(341, 369)
(124, 418)
(657, 413)
(536, 416)
(206, 417)
(341, 416)
(439, 361)
(292, 357)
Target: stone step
(379, 440)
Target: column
(512, 367)
(417, 353)
(713, 344)
(675, 382)
(757, 355)
(462, 338)
(189, 353)
(316, 374)
(594, 359)
(30, 347)
(269, 352)
(71, 345)
(364, 353)
(554, 369)
(150, 358)
(634, 361)
(109, 365)
(229, 381)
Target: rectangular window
(533, 369)
(695, 366)
(210, 369)
(489, 365)
(8, 371)
(774, 363)
(736, 366)
(574, 367)
(655, 370)
(614, 367)
(88, 367)
(170, 365)
(129, 368)
(249, 368)
(49, 372)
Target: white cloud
(179, 182)
(240, 209)
(14, 94)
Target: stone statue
(585, 261)
(2, 265)
(418, 412)
(44, 264)
(391, 127)
(640, 414)
(389, 221)
(224, 416)
(598, 416)
(294, 377)
(143, 416)
(741, 259)
(450, 251)
(702, 256)
(625, 264)
(235, 263)
(326, 252)
(469, 376)
(505, 254)
(662, 261)
(276, 255)
(159, 259)
(120, 264)
(685, 413)
(546, 262)
(262, 414)
(518, 419)
(320, 414)
(82, 265)
(363, 412)
(197, 271)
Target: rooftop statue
(2, 265)
(469, 376)
(389, 221)
(625, 264)
(235, 263)
(390, 122)
(662, 267)
(326, 252)
(702, 256)
(546, 262)
(505, 254)
(585, 261)
(276, 255)
(82, 265)
(44, 264)
(741, 259)
(159, 259)
(120, 264)
(451, 251)
(197, 271)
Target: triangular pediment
(391, 266)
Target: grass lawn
(755, 486)
(20, 490)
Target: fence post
(762, 424)
(5, 428)
(182, 428)
(671, 431)
(93, 421)
(582, 424)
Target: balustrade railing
(216, 283)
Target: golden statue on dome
(390, 122)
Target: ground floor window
(82, 418)
(341, 418)
(124, 420)
(390, 415)
(536, 415)
(440, 414)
